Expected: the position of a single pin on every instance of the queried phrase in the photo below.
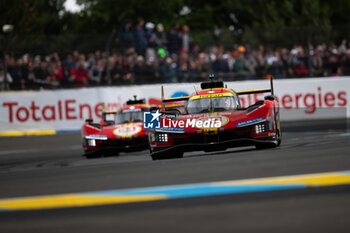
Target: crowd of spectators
(148, 54)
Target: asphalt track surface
(42, 165)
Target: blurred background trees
(44, 26)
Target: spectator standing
(184, 68)
(55, 66)
(270, 57)
(151, 40)
(140, 37)
(342, 48)
(76, 59)
(193, 69)
(185, 37)
(195, 52)
(316, 64)
(261, 67)
(140, 70)
(346, 62)
(287, 63)
(220, 66)
(151, 70)
(69, 62)
(19, 75)
(51, 81)
(276, 69)
(81, 75)
(334, 64)
(174, 39)
(65, 77)
(127, 69)
(168, 70)
(299, 61)
(250, 64)
(95, 74)
(4, 85)
(239, 67)
(125, 36)
(203, 66)
(41, 74)
(161, 36)
(117, 72)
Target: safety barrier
(48, 112)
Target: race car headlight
(91, 139)
(96, 137)
(161, 137)
(261, 128)
(153, 137)
(91, 142)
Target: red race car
(212, 119)
(118, 131)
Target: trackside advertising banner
(60, 110)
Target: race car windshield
(129, 116)
(215, 104)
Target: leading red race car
(213, 119)
(118, 131)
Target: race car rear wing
(259, 90)
(176, 99)
(182, 98)
(253, 91)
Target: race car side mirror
(172, 112)
(154, 108)
(89, 120)
(269, 97)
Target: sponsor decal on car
(171, 130)
(210, 95)
(127, 130)
(250, 122)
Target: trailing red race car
(118, 131)
(212, 119)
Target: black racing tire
(262, 146)
(167, 155)
(278, 133)
(110, 154)
(279, 139)
(92, 155)
(278, 128)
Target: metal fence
(67, 60)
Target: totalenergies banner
(66, 110)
